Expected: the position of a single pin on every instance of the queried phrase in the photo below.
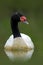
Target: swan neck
(15, 30)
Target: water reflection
(19, 55)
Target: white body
(24, 40)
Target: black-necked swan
(18, 40)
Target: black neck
(15, 29)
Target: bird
(18, 41)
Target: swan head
(18, 17)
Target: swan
(17, 40)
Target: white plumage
(23, 41)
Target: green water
(33, 9)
